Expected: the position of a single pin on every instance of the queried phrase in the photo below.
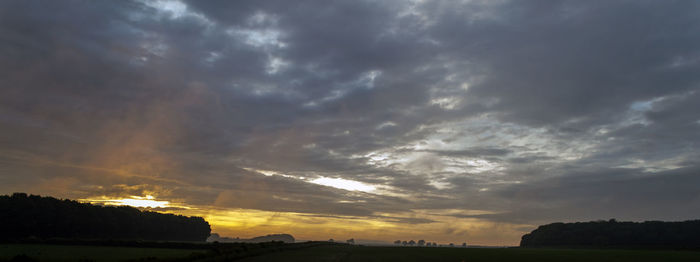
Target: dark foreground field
(358, 253)
(325, 252)
(86, 250)
(20, 252)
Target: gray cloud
(536, 111)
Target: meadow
(367, 253)
(319, 251)
(42, 252)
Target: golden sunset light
(134, 201)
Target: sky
(449, 121)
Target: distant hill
(286, 238)
(612, 233)
(23, 216)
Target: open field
(81, 250)
(89, 253)
(364, 253)
(319, 251)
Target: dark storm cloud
(532, 109)
(626, 194)
(586, 60)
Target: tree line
(658, 234)
(422, 243)
(30, 216)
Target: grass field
(319, 251)
(88, 253)
(363, 253)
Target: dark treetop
(23, 216)
(611, 233)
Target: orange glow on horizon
(386, 227)
(248, 223)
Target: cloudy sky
(448, 121)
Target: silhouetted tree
(331, 240)
(23, 216)
(397, 242)
(464, 244)
(452, 245)
(612, 233)
(351, 241)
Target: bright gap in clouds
(134, 201)
(343, 184)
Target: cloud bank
(466, 120)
